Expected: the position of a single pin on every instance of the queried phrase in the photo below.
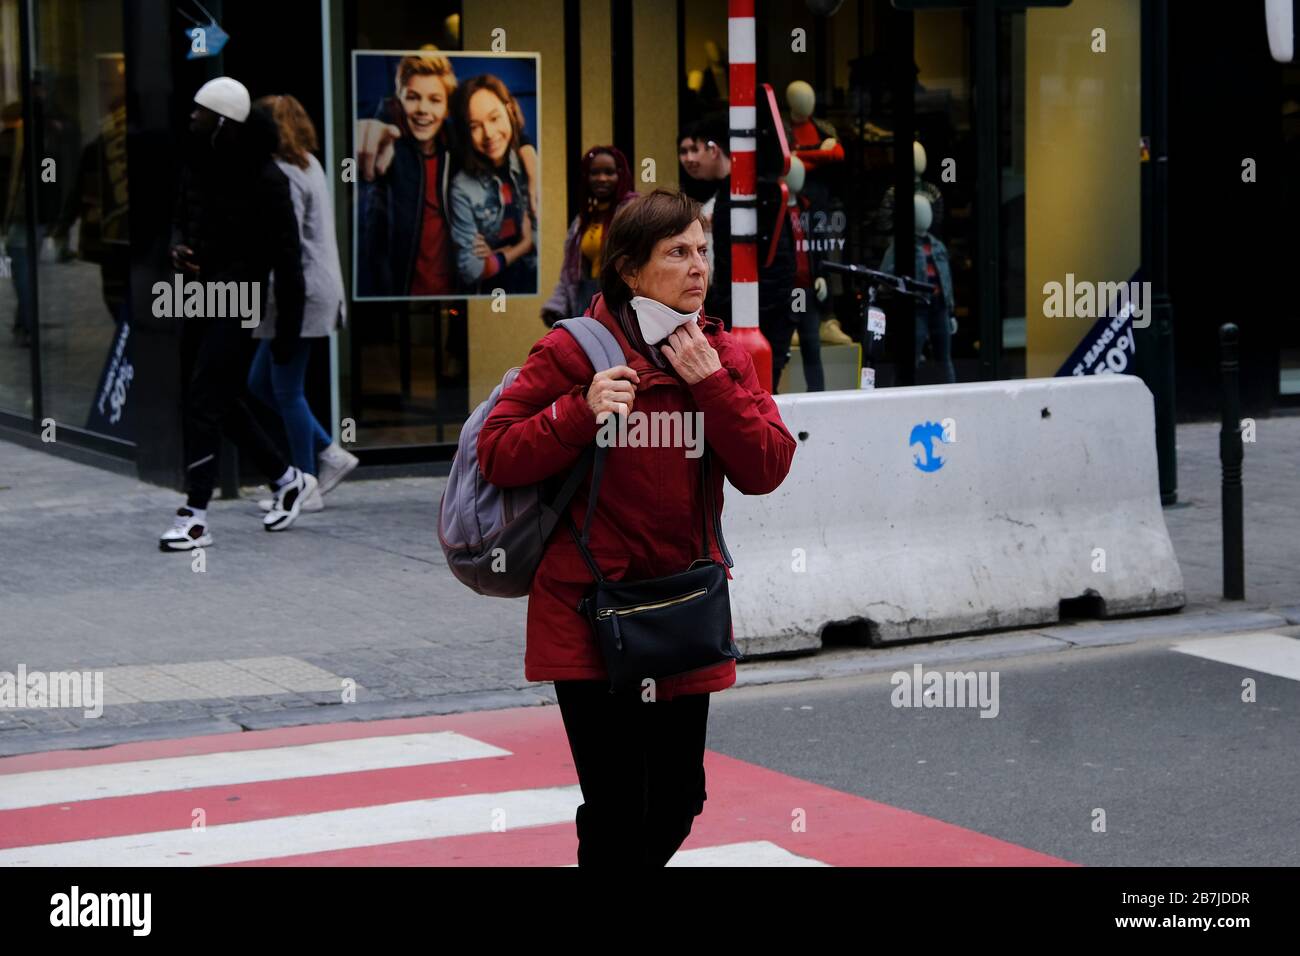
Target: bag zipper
(635, 608)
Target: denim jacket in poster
(476, 207)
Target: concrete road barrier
(944, 509)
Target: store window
(71, 323)
(839, 81)
(83, 234)
(403, 360)
(16, 317)
(1064, 122)
(1289, 320)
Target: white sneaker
(333, 465)
(185, 534)
(288, 501)
(313, 502)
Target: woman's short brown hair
(297, 133)
(635, 229)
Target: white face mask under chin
(657, 320)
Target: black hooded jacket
(235, 210)
(392, 210)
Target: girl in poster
(492, 220)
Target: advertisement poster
(1109, 346)
(447, 174)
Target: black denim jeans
(641, 769)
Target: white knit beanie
(225, 97)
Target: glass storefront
(1289, 367)
(15, 341)
(74, 315)
(1048, 166)
(403, 365)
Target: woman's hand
(690, 353)
(183, 260)
(480, 247)
(612, 392)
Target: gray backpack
(493, 538)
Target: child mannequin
(935, 320)
(806, 278)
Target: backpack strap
(604, 352)
(598, 342)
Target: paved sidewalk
(270, 631)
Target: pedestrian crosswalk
(493, 788)
(1267, 653)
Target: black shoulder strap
(583, 538)
(717, 520)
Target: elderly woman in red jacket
(640, 760)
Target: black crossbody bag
(659, 627)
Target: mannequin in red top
(812, 140)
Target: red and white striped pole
(743, 119)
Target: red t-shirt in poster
(433, 270)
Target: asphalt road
(1160, 740)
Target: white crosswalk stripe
(312, 832)
(1273, 654)
(753, 853)
(40, 787)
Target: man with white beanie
(234, 223)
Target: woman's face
(602, 176)
(677, 273)
(424, 100)
(489, 126)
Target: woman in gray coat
(280, 367)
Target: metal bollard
(1230, 456)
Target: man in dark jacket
(234, 224)
(711, 160)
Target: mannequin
(813, 140)
(885, 218)
(805, 278)
(935, 321)
(807, 260)
(815, 145)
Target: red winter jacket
(650, 510)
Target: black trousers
(641, 769)
(217, 354)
